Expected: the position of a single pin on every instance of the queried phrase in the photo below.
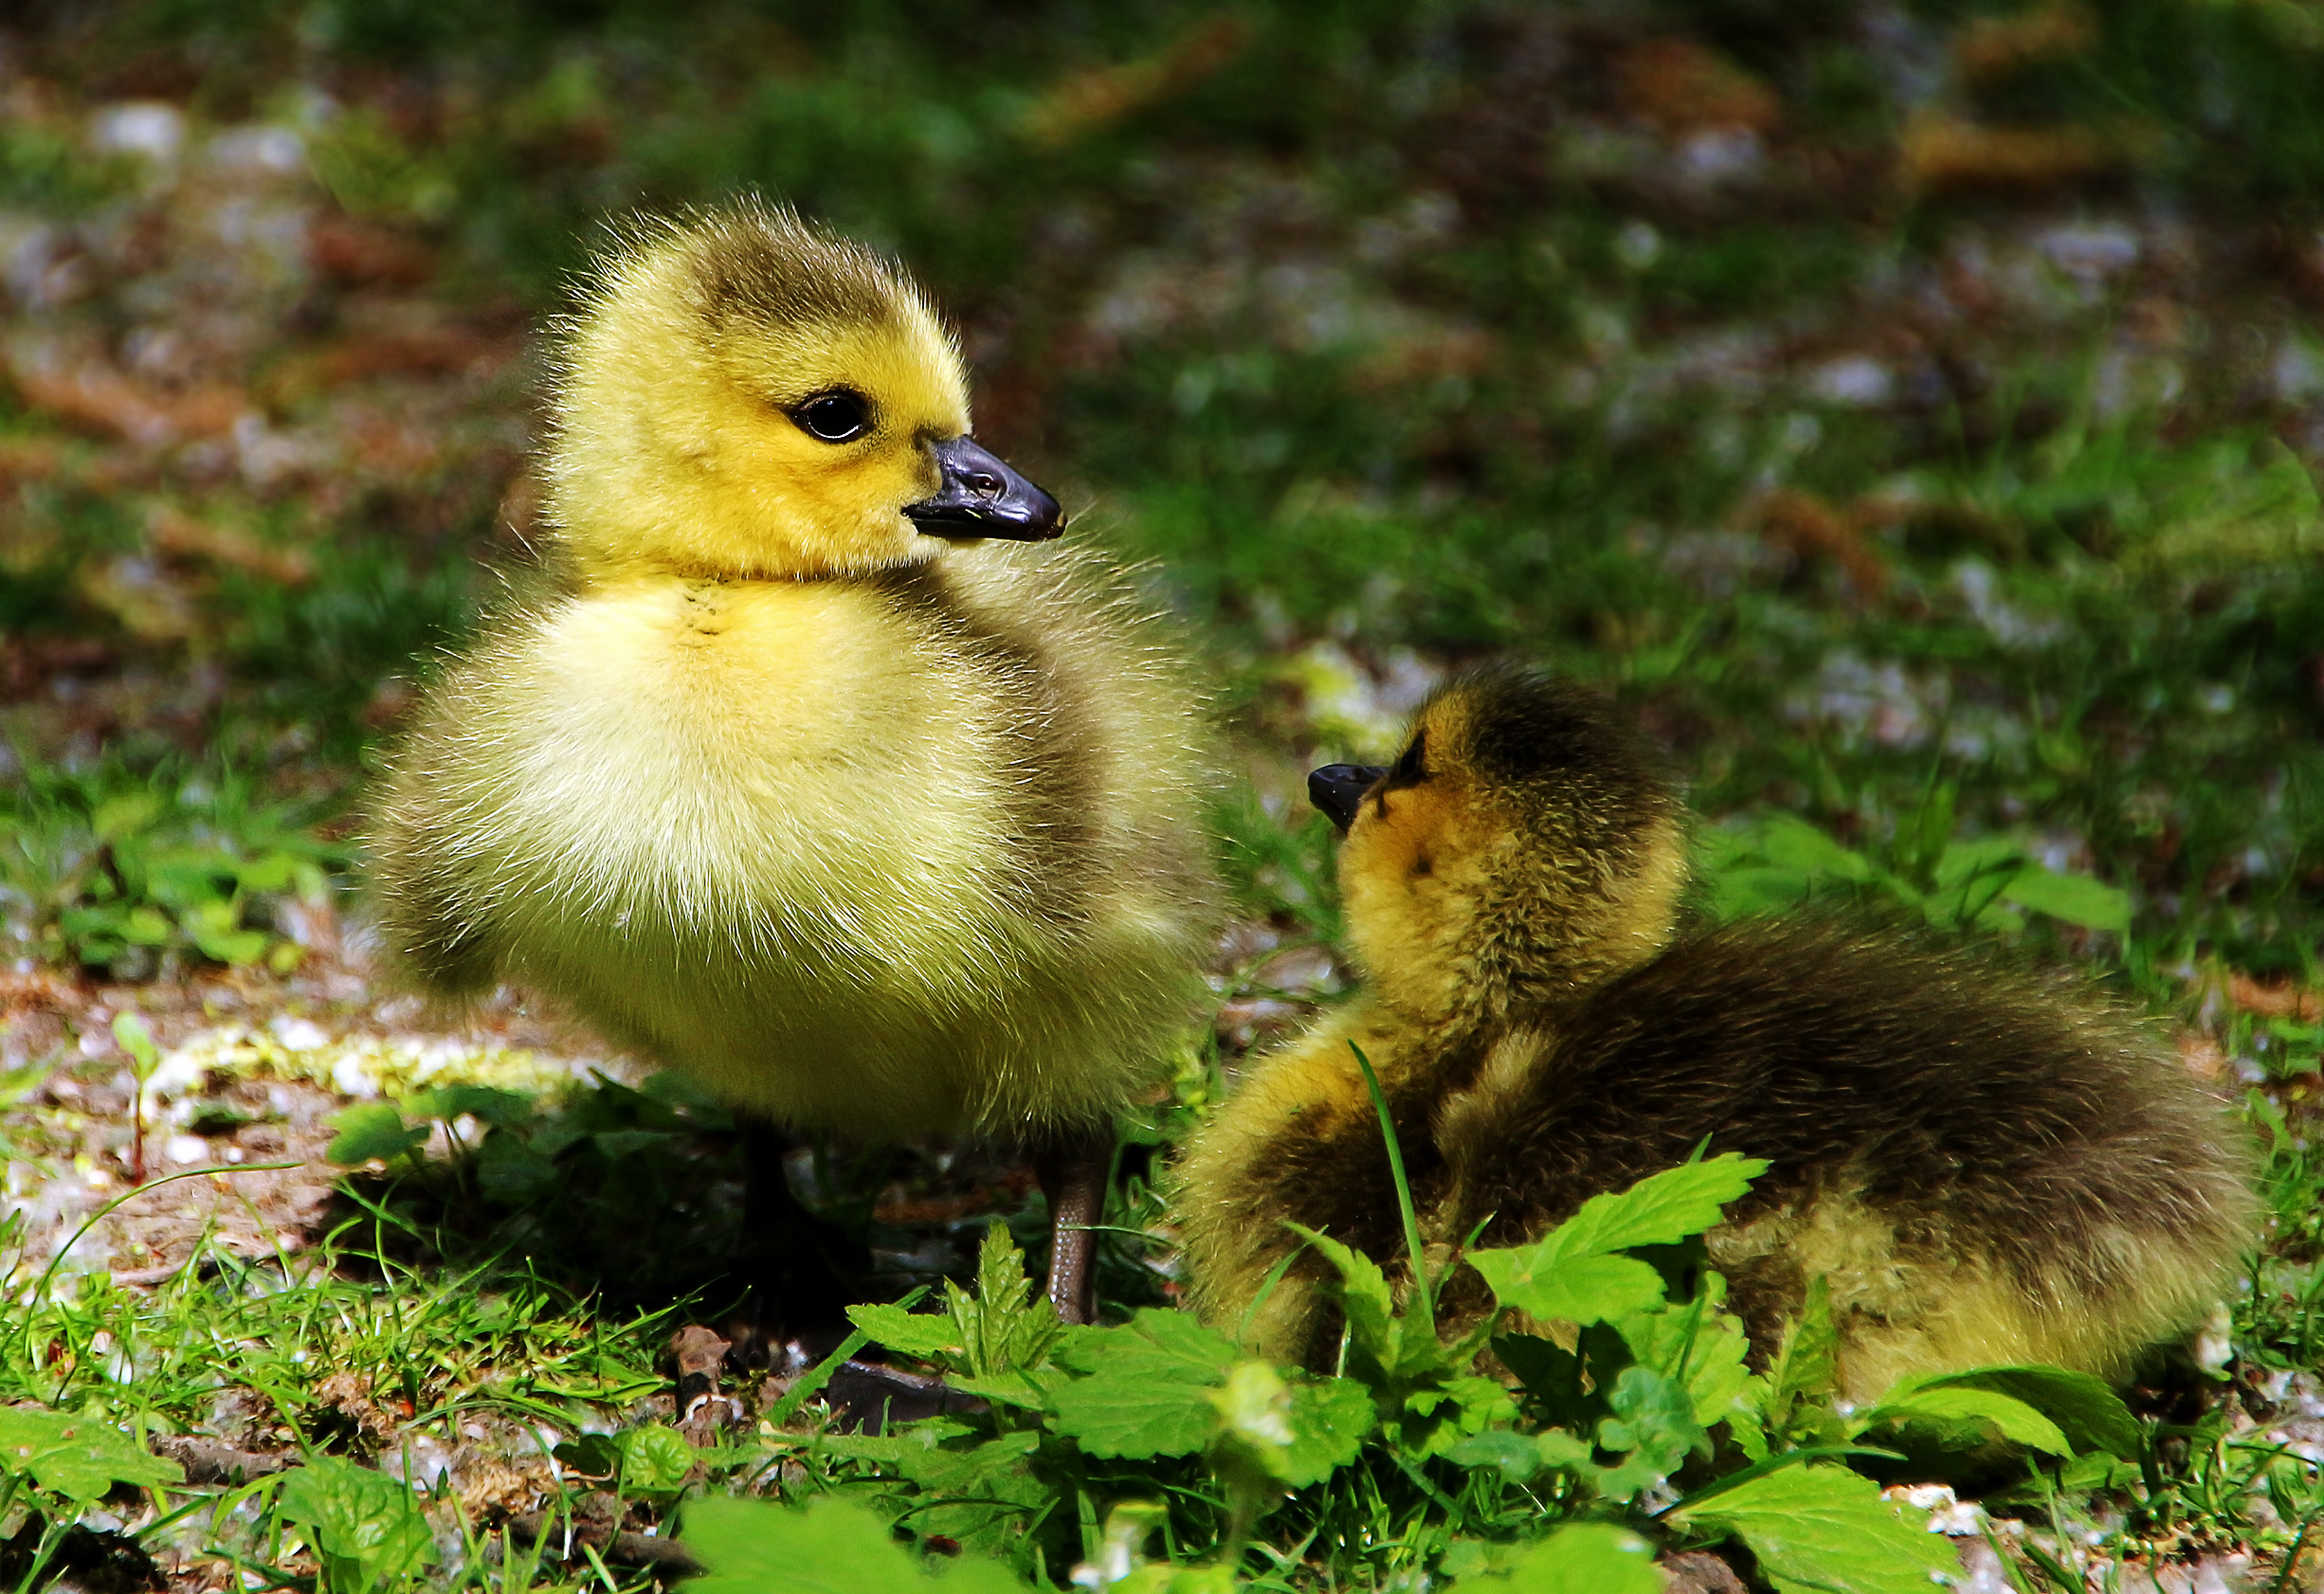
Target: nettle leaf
(1819, 1529)
(654, 1460)
(364, 1525)
(1145, 1389)
(1435, 1419)
(1330, 1420)
(1970, 1412)
(1586, 1558)
(371, 1129)
(2075, 899)
(1571, 1274)
(1654, 1422)
(927, 1336)
(983, 1495)
(80, 1456)
(834, 1547)
(1006, 1327)
(1703, 1347)
(2088, 1413)
(1807, 1364)
(1364, 1296)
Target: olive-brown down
(1985, 1165)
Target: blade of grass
(1423, 1291)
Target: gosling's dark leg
(801, 1269)
(1072, 1172)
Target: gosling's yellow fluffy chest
(868, 854)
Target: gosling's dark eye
(838, 416)
(1412, 767)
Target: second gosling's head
(1525, 846)
(747, 395)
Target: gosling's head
(746, 395)
(1525, 846)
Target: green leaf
(654, 1460)
(1711, 1344)
(1789, 841)
(2075, 899)
(834, 1547)
(1586, 1558)
(1517, 1455)
(368, 1129)
(1654, 1422)
(1568, 1275)
(1974, 1410)
(485, 1103)
(2086, 1410)
(1826, 1530)
(78, 1456)
(364, 1525)
(1330, 1419)
(137, 1042)
(928, 1336)
(1568, 1289)
(1364, 1296)
(1147, 1386)
(1808, 1365)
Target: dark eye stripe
(1411, 766)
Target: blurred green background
(1911, 409)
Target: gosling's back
(1985, 1165)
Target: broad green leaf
(654, 1460)
(1711, 1344)
(368, 1129)
(1438, 1417)
(983, 1495)
(1789, 841)
(1586, 1558)
(928, 1336)
(1568, 1275)
(1514, 1454)
(137, 1042)
(2087, 1412)
(75, 1455)
(119, 816)
(1147, 1386)
(1654, 1422)
(1960, 1406)
(834, 1547)
(485, 1103)
(1826, 1529)
(2075, 898)
(1364, 1296)
(365, 1524)
(1330, 1419)
(1808, 1360)
(1660, 1210)
(1964, 861)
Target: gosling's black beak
(982, 497)
(1339, 790)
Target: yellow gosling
(1985, 1165)
(808, 765)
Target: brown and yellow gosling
(1985, 1165)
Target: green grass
(2092, 659)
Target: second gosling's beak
(1339, 790)
(980, 497)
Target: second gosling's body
(1985, 1166)
(876, 831)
